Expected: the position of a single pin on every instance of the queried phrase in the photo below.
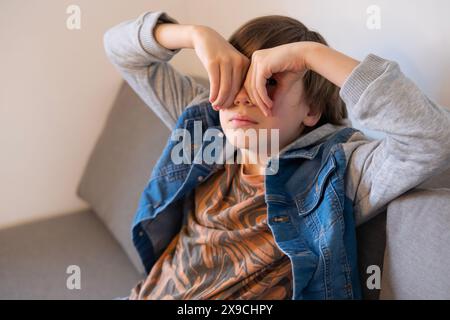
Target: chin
(237, 140)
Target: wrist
(329, 63)
(311, 50)
(196, 32)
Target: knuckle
(211, 63)
(241, 62)
(256, 55)
(226, 60)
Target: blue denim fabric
(308, 213)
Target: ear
(312, 117)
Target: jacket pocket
(309, 199)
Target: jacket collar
(299, 147)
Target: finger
(261, 88)
(213, 74)
(236, 82)
(243, 74)
(225, 84)
(260, 82)
(258, 100)
(247, 83)
(227, 98)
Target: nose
(242, 98)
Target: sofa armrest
(417, 252)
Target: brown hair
(275, 30)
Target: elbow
(113, 47)
(107, 43)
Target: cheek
(287, 112)
(288, 119)
(223, 122)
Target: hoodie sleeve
(144, 64)
(417, 141)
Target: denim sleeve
(144, 64)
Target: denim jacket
(307, 211)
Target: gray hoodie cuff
(147, 38)
(361, 77)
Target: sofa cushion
(34, 259)
(417, 255)
(120, 165)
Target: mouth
(239, 120)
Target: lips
(242, 119)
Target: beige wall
(55, 91)
(57, 86)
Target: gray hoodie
(377, 94)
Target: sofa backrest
(120, 164)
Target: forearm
(143, 62)
(132, 44)
(329, 63)
(175, 36)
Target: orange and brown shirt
(225, 250)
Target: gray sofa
(410, 241)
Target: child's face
(289, 113)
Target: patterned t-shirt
(225, 250)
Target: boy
(214, 231)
